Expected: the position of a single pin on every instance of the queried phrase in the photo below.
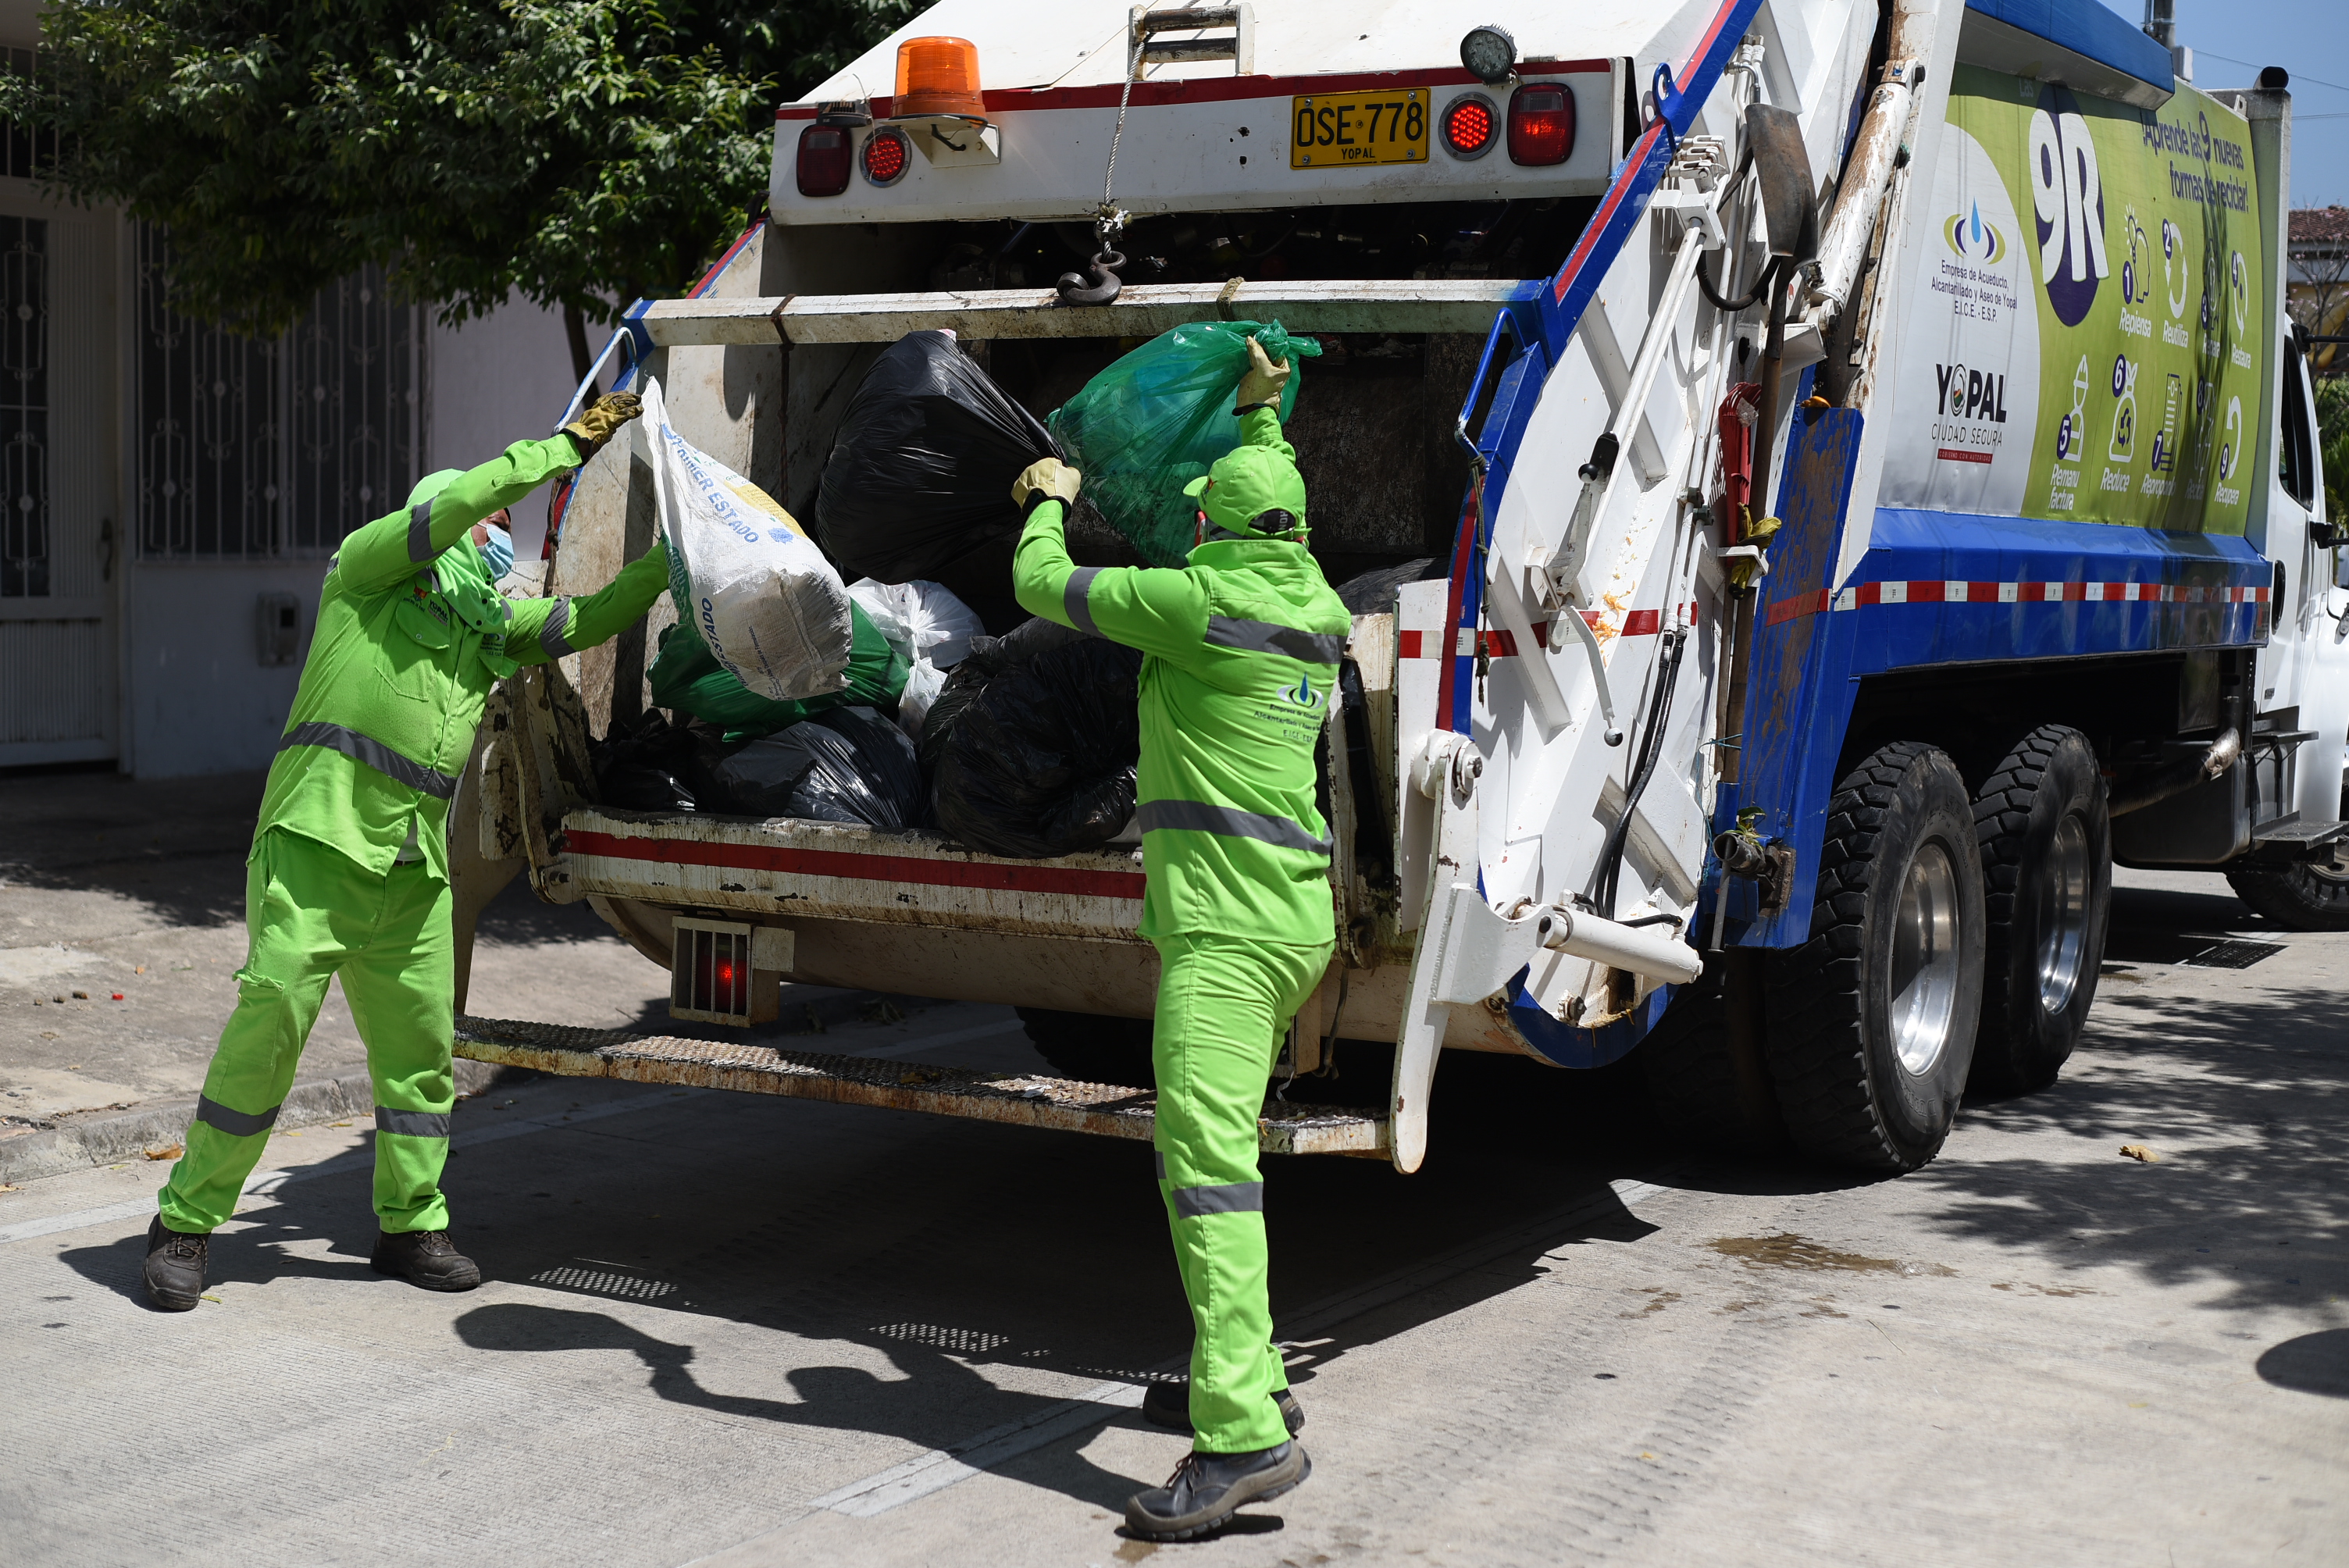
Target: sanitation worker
(1243, 646)
(349, 870)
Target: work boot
(424, 1258)
(1206, 1490)
(175, 1267)
(1168, 1405)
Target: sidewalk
(114, 888)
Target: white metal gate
(59, 522)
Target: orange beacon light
(938, 75)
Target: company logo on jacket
(1302, 694)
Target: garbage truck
(1843, 476)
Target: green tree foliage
(2333, 444)
(582, 153)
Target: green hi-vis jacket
(411, 634)
(1243, 646)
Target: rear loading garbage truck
(1843, 476)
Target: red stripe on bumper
(899, 868)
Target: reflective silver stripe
(1270, 637)
(411, 1123)
(235, 1123)
(420, 531)
(1160, 1157)
(1198, 817)
(1233, 1198)
(550, 635)
(1072, 599)
(375, 754)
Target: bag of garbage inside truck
(846, 765)
(925, 619)
(1036, 751)
(687, 679)
(921, 469)
(1159, 417)
(766, 603)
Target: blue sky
(2232, 39)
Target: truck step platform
(1025, 1100)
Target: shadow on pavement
(946, 1248)
(2244, 1100)
(176, 845)
(2313, 1363)
(848, 1398)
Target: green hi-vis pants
(1224, 1007)
(313, 913)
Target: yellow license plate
(1333, 130)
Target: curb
(126, 1135)
(85, 1142)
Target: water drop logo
(1976, 241)
(1302, 694)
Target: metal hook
(1097, 284)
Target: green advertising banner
(2080, 342)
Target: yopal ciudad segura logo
(2067, 201)
(1968, 236)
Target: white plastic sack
(771, 609)
(923, 683)
(937, 625)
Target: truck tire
(2310, 896)
(1698, 1086)
(2047, 884)
(1871, 1022)
(1090, 1049)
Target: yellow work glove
(1265, 378)
(1050, 475)
(1744, 573)
(600, 418)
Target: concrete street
(733, 1330)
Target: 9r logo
(2067, 200)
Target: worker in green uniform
(1243, 646)
(349, 870)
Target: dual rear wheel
(1955, 941)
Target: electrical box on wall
(277, 622)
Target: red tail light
(1541, 124)
(885, 156)
(1470, 125)
(824, 162)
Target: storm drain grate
(2233, 955)
(964, 1341)
(603, 1281)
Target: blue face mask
(498, 553)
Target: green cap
(432, 484)
(1245, 484)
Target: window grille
(23, 408)
(255, 448)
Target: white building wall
(495, 381)
(199, 700)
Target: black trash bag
(647, 764)
(1038, 759)
(1373, 592)
(844, 765)
(921, 469)
(988, 657)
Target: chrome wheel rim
(2064, 915)
(1925, 959)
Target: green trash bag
(1159, 417)
(687, 679)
